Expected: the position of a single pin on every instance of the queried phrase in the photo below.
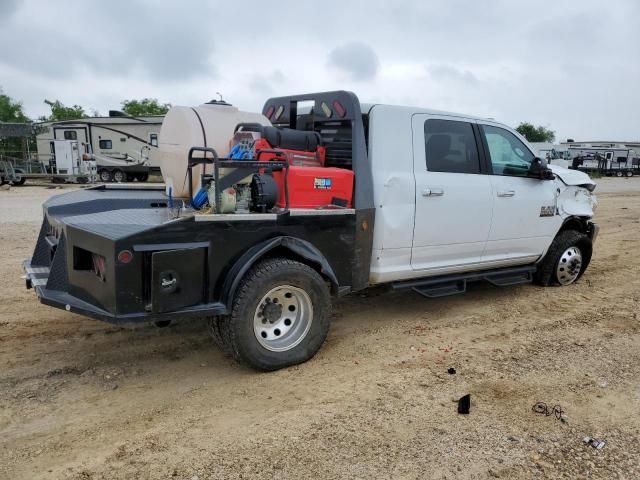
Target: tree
(11, 110)
(61, 112)
(146, 106)
(536, 134)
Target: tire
(629, 173)
(142, 177)
(618, 174)
(21, 179)
(104, 176)
(218, 329)
(260, 333)
(118, 176)
(566, 260)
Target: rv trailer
(123, 147)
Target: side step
(444, 285)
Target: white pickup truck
(404, 196)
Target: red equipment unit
(309, 183)
(313, 187)
(299, 158)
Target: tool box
(313, 187)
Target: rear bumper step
(442, 286)
(37, 278)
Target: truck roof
(366, 108)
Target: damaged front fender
(577, 202)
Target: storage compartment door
(177, 279)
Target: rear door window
(450, 147)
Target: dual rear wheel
(280, 316)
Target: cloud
(447, 73)
(569, 65)
(143, 41)
(356, 59)
(7, 9)
(266, 84)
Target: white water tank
(209, 125)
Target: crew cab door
(453, 196)
(525, 217)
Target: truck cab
(458, 195)
(304, 203)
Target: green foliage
(146, 106)
(536, 134)
(10, 110)
(61, 112)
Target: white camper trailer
(124, 147)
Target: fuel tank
(208, 125)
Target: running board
(442, 286)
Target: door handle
(432, 192)
(506, 193)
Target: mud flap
(177, 279)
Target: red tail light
(99, 265)
(270, 111)
(125, 256)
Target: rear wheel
(142, 177)
(119, 176)
(280, 315)
(104, 175)
(567, 259)
(218, 330)
(629, 173)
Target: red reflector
(269, 112)
(339, 108)
(125, 256)
(99, 265)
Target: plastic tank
(209, 125)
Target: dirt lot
(81, 399)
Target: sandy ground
(81, 399)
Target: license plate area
(177, 279)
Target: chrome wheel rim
(105, 176)
(569, 266)
(118, 176)
(283, 318)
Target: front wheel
(566, 260)
(280, 315)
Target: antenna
(221, 99)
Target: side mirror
(539, 169)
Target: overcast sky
(573, 66)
